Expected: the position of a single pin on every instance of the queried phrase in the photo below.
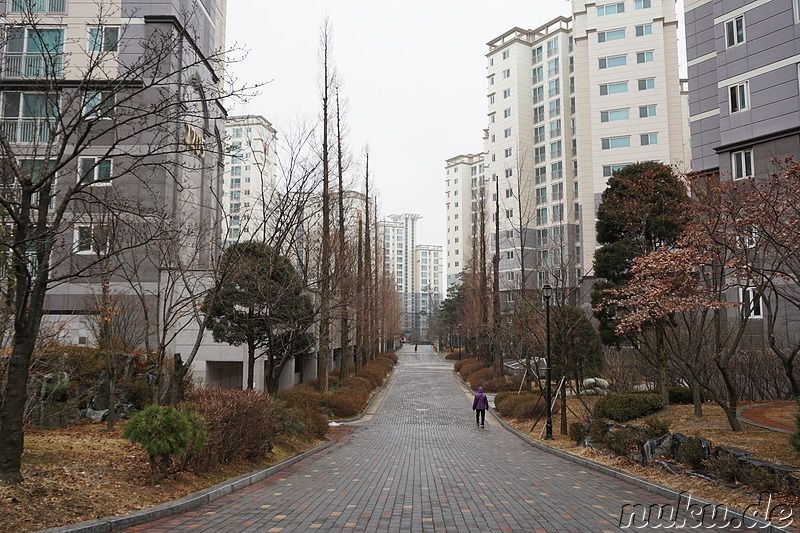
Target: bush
(509, 403)
(470, 368)
(622, 441)
(763, 480)
(577, 432)
(500, 384)
(693, 452)
(164, 435)
(479, 377)
(598, 429)
(357, 383)
(243, 424)
(301, 396)
(345, 402)
(459, 365)
(625, 406)
(680, 395)
(723, 467)
(373, 374)
(533, 406)
(452, 356)
(655, 427)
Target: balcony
(21, 65)
(28, 130)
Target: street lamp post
(547, 292)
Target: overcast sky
(414, 74)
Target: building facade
(465, 178)
(248, 188)
(569, 102)
(429, 267)
(743, 83)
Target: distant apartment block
(418, 283)
(463, 185)
(743, 62)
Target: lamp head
(547, 291)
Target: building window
(99, 105)
(103, 39)
(491, 99)
(553, 88)
(555, 129)
(644, 29)
(539, 155)
(555, 150)
(94, 170)
(644, 57)
(541, 195)
(236, 170)
(642, 4)
(506, 112)
(553, 68)
(506, 53)
(647, 139)
(613, 61)
(509, 152)
(647, 83)
(613, 88)
(538, 74)
(38, 6)
(541, 216)
(610, 35)
(510, 254)
(509, 193)
(751, 302)
(538, 134)
(509, 172)
(506, 93)
(540, 174)
(552, 47)
(33, 52)
(739, 97)
(538, 94)
(557, 190)
(554, 108)
(647, 111)
(507, 132)
(537, 55)
(509, 213)
(614, 114)
(615, 142)
(742, 164)
(507, 73)
(557, 213)
(610, 9)
(734, 31)
(91, 238)
(538, 114)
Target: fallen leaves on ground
(83, 472)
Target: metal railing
(28, 130)
(20, 65)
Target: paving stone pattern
(421, 464)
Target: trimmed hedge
(460, 364)
(680, 395)
(624, 406)
(519, 405)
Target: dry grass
(764, 444)
(82, 472)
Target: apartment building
(743, 84)
(464, 190)
(248, 188)
(568, 103)
(139, 154)
(428, 264)
(631, 104)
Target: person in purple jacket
(480, 404)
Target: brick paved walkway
(420, 464)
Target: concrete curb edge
(190, 501)
(756, 424)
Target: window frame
(747, 159)
(735, 104)
(732, 33)
(96, 162)
(95, 45)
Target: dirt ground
(82, 472)
(764, 444)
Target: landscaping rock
(655, 448)
(94, 415)
(669, 467)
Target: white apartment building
(631, 103)
(465, 174)
(251, 170)
(399, 242)
(568, 103)
(428, 266)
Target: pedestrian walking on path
(480, 404)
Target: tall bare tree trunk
(341, 261)
(498, 353)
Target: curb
(641, 483)
(190, 501)
(756, 424)
(384, 385)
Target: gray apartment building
(743, 62)
(115, 105)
